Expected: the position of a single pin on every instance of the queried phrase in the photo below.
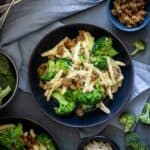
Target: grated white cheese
(98, 146)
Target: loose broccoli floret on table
(103, 47)
(65, 107)
(4, 93)
(145, 116)
(133, 142)
(128, 121)
(139, 47)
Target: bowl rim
(123, 28)
(91, 124)
(11, 60)
(19, 119)
(86, 140)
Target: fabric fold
(32, 15)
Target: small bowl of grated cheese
(98, 143)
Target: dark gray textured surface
(24, 105)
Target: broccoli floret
(133, 142)
(103, 47)
(4, 93)
(145, 117)
(65, 107)
(10, 138)
(139, 47)
(63, 63)
(50, 71)
(53, 67)
(89, 98)
(103, 42)
(46, 141)
(128, 121)
(4, 65)
(99, 62)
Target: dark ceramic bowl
(7, 100)
(93, 118)
(86, 141)
(121, 26)
(27, 125)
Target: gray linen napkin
(29, 21)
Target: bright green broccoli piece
(46, 141)
(4, 93)
(128, 121)
(63, 63)
(139, 47)
(65, 107)
(133, 142)
(103, 42)
(10, 138)
(53, 67)
(50, 71)
(104, 47)
(89, 98)
(4, 65)
(100, 62)
(145, 117)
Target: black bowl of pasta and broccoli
(24, 134)
(81, 75)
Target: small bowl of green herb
(8, 79)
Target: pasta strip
(54, 49)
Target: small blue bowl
(122, 27)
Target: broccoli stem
(135, 52)
(59, 98)
(4, 93)
(145, 117)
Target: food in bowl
(98, 145)
(80, 73)
(13, 137)
(7, 79)
(129, 12)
